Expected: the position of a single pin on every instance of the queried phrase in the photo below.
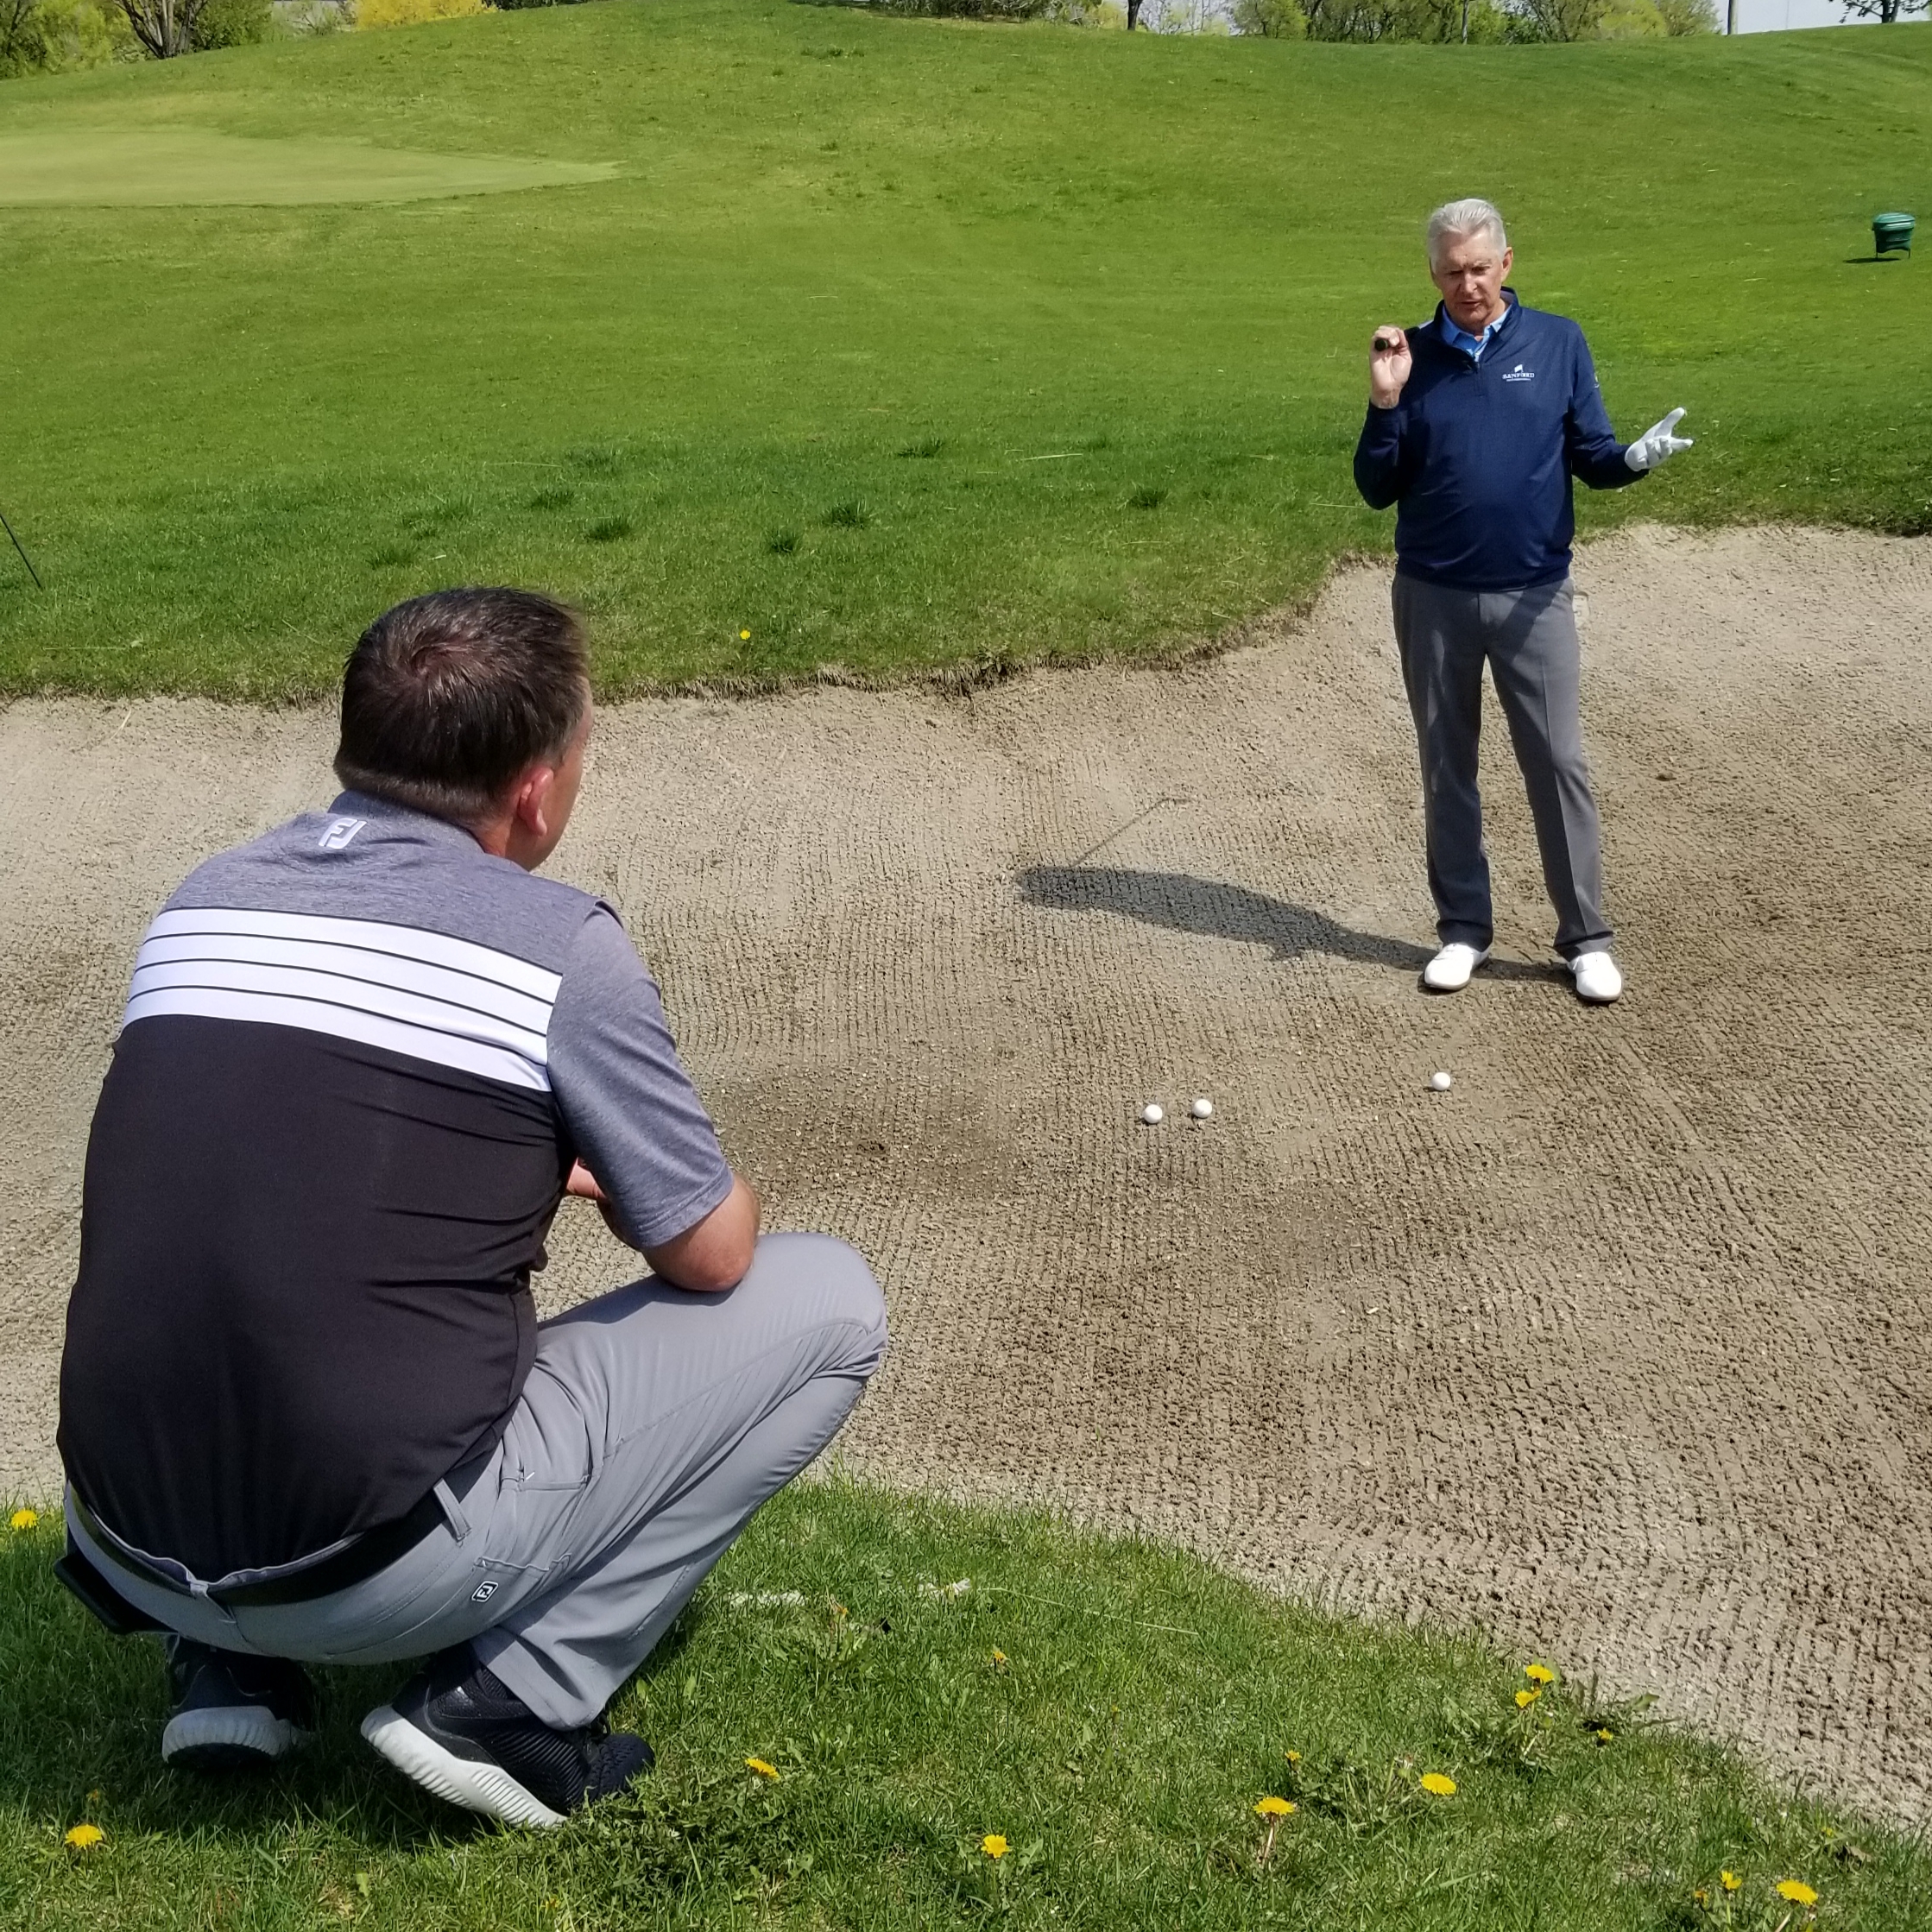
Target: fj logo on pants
(483, 1593)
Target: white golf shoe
(1449, 970)
(1598, 981)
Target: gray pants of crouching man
(1528, 638)
(654, 1424)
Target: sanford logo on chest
(1519, 375)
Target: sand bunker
(1621, 1348)
(116, 167)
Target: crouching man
(306, 1412)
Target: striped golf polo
(358, 1059)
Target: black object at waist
(375, 1549)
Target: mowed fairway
(894, 344)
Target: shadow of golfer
(1183, 903)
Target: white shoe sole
(232, 1731)
(476, 1787)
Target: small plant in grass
(1366, 1799)
(442, 511)
(990, 1867)
(782, 543)
(1148, 496)
(1271, 1811)
(849, 515)
(927, 446)
(388, 556)
(552, 497)
(596, 459)
(1735, 1902)
(611, 529)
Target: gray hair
(1472, 216)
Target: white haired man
(1477, 421)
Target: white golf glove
(1657, 444)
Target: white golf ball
(1203, 1109)
(1153, 1114)
(1441, 1083)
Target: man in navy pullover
(1477, 422)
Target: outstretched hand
(1657, 444)
(1389, 364)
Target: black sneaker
(234, 1712)
(460, 1733)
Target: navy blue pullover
(1478, 454)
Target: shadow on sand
(1183, 903)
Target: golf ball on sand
(1203, 1109)
(1153, 1114)
(1441, 1083)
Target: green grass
(161, 167)
(1075, 322)
(1140, 1705)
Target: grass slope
(1114, 1711)
(897, 344)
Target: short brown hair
(447, 697)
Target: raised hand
(1657, 444)
(1389, 364)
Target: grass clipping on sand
(891, 1712)
(889, 344)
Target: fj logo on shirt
(483, 1593)
(1520, 375)
(340, 831)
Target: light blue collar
(1458, 337)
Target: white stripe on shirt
(421, 994)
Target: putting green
(180, 166)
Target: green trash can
(1892, 234)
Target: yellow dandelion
(744, 637)
(763, 1770)
(1702, 1897)
(23, 1519)
(998, 1657)
(82, 1837)
(1793, 1890)
(1605, 1735)
(1437, 1785)
(1293, 1757)
(1274, 1808)
(994, 1846)
(1539, 1673)
(1729, 1880)
(1526, 1698)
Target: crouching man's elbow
(716, 1252)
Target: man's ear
(532, 798)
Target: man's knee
(842, 1289)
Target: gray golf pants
(653, 1425)
(1529, 639)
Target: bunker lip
(1611, 1351)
